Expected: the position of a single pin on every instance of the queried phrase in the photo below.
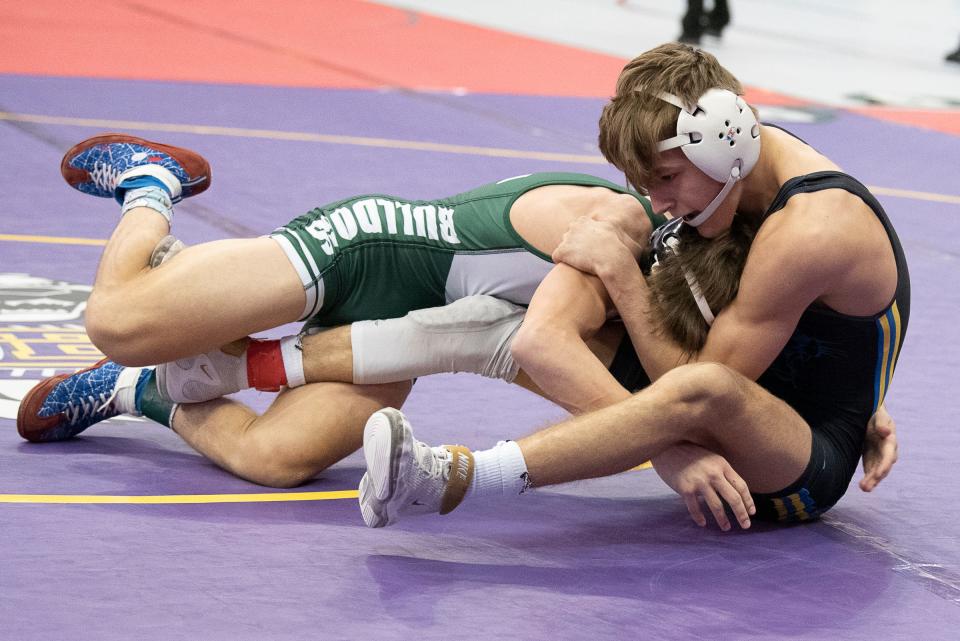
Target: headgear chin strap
(720, 136)
(666, 240)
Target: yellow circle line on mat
(57, 365)
(178, 498)
(383, 143)
(915, 195)
(56, 240)
(300, 136)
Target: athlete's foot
(98, 165)
(60, 407)
(407, 477)
(205, 377)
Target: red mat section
(301, 43)
(947, 121)
(345, 44)
(334, 43)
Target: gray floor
(837, 53)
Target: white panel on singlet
(510, 275)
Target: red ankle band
(265, 370)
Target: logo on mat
(31, 299)
(41, 335)
(41, 327)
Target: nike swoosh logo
(203, 368)
(418, 503)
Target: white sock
(292, 353)
(125, 390)
(243, 380)
(155, 198)
(499, 471)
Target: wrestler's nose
(662, 205)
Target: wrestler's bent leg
(303, 432)
(213, 293)
(210, 295)
(708, 404)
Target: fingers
(881, 472)
(716, 507)
(718, 490)
(735, 492)
(876, 467)
(693, 507)
(883, 429)
(873, 473)
(709, 498)
(871, 479)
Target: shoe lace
(87, 406)
(433, 462)
(105, 176)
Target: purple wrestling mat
(615, 558)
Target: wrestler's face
(680, 188)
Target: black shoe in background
(717, 19)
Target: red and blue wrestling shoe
(98, 165)
(60, 407)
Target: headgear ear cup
(720, 136)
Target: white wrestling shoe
(205, 377)
(405, 476)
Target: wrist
(620, 269)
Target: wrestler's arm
(568, 307)
(879, 449)
(766, 325)
(784, 274)
(779, 282)
(563, 368)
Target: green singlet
(378, 256)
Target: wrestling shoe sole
(32, 427)
(383, 438)
(195, 165)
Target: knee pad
(473, 334)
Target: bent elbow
(530, 344)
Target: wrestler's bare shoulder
(834, 237)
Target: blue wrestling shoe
(98, 165)
(60, 407)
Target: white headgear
(720, 136)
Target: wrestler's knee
(266, 462)
(106, 324)
(709, 392)
(123, 334)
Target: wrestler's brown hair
(716, 263)
(635, 119)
